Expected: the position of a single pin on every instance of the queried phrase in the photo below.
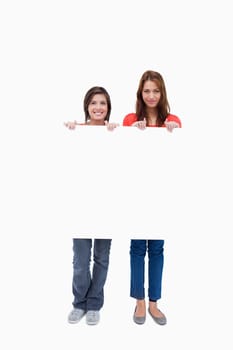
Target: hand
(71, 125)
(111, 126)
(141, 124)
(171, 125)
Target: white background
(51, 53)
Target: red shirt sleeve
(173, 118)
(129, 119)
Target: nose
(98, 106)
(151, 95)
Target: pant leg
(81, 271)
(137, 268)
(155, 268)
(95, 295)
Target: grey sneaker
(92, 317)
(75, 315)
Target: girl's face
(98, 108)
(151, 94)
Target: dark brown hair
(163, 105)
(88, 97)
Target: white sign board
(121, 183)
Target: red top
(132, 117)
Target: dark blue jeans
(87, 285)
(138, 249)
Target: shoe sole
(92, 323)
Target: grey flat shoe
(159, 320)
(139, 320)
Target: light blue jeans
(138, 249)
(87, 285)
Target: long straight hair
(163, 105)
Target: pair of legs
(138, 250)
(88, 285)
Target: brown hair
(163, 105)
(88, 97)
